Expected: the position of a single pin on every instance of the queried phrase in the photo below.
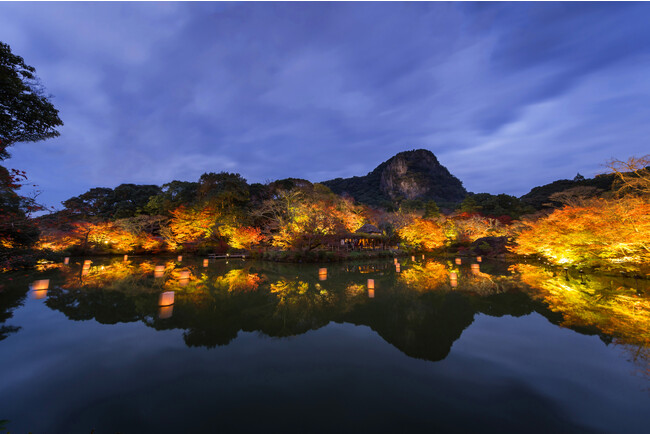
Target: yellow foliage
(616, 310)
(193, 224)
(610, 233)
(239, 280)
(424, 277)
(422, 234)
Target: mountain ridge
(409, 175)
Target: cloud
(508, 96)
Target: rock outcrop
(415, 175)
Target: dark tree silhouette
(26, 114)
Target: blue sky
(507, 95)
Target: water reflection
(421, 308)
(166, 312)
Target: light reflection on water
(418, 307)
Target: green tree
(469, 205)
(225, 190)
(26, 114)
(172, 195)
(431, 210)
(129, 200)
(93, 203)
(500, 205)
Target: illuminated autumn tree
(633, 175)
(16, 227)
(472, 227)
(299, 218)
(97, 236)
(422, 234)
(242, 237)
(192, 224)
(607, 233)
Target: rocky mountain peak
(415, 175)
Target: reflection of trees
(238, 280)
(416, 311)
(10, 299)
(422, 277)
(612, 307)
(106, 306)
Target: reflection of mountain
(424, 326)
(279, 301)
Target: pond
(260, 346)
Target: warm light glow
(453, 276)
(239, 280)
(166, 298)
(165, 311)
(371, 283)
(185, 274)
(479, 259)
(39, 294)
(605, 233)
(371, 293)
(476, 268)
(205, 262)
(180, 258)
(422, 256)
(87, 263)
(458, 261)
(454, 283)
(126, 258)
(412, 258)
(66, 260)
(40, 285)
(397, 268)
(422, 234)
(159, 271)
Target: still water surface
(265, 347)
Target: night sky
(508, 96)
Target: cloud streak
(508, 96)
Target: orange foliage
(610, 233)
(103, 235)
(243, 237)
(192, 224)
(239, 280)
(422, 234)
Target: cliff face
(408, 175)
